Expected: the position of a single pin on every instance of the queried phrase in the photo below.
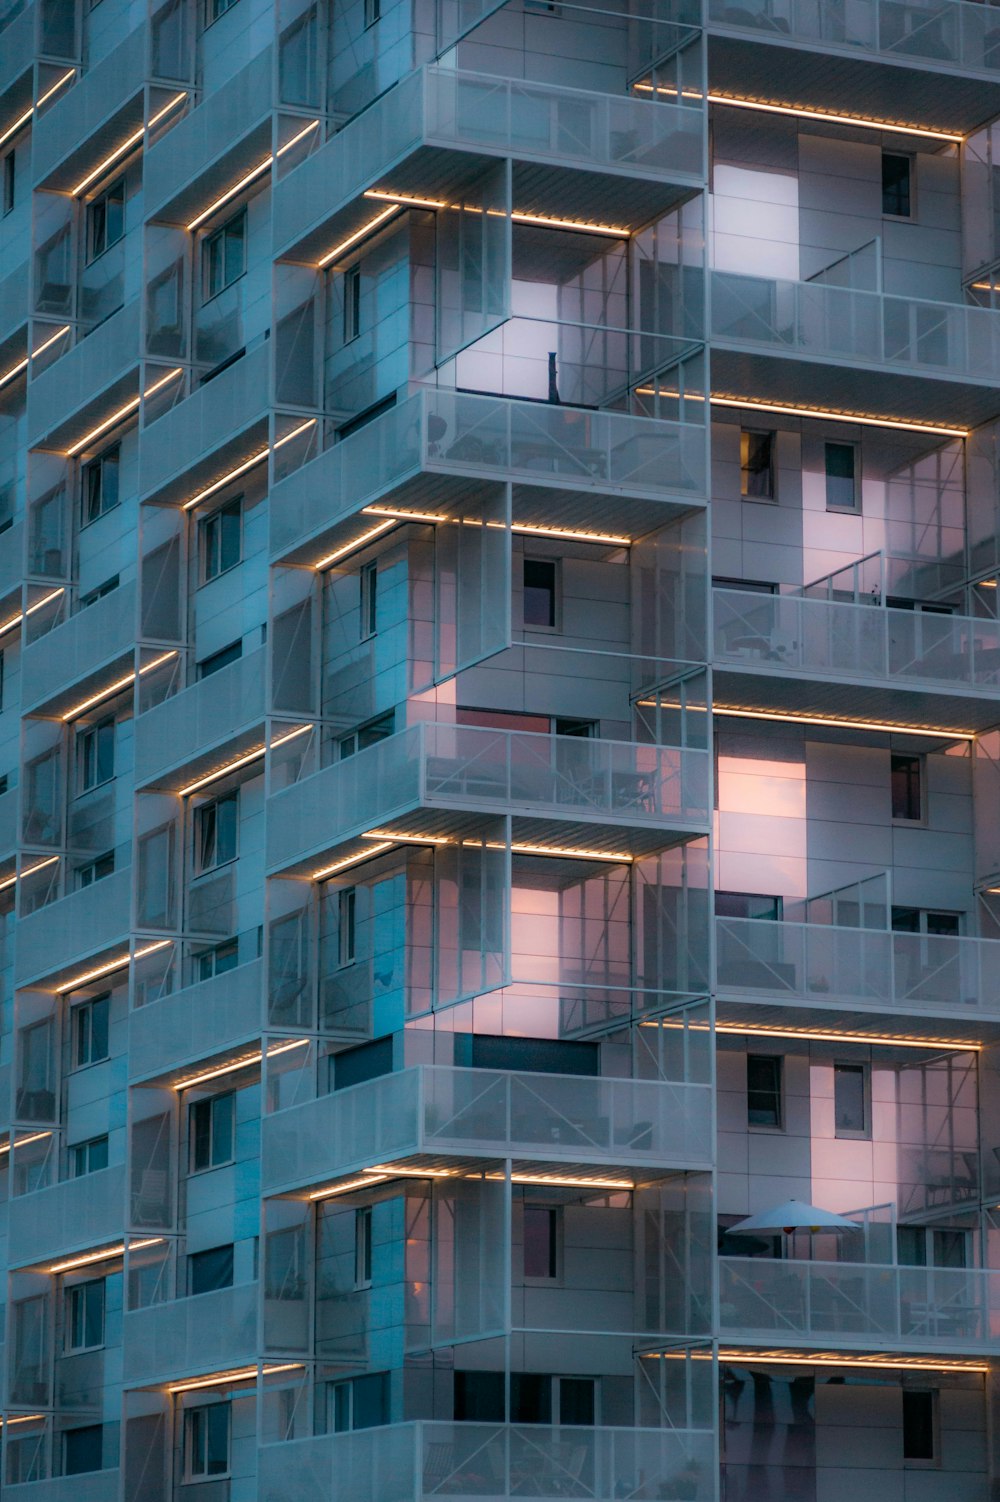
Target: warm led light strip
(816, 1035)
(350, 860)
(518, 848)
(735, 711)
(122, 413)
(15, 620)
(246, 464)
(24, 1141)
(241, 761)
(104, 1255)
(22, 1418)
(359, 234)
(12, 130)
(519, 216)
(862, 419)
(355, 543)
(239, 1374)
(126, 146)
(522, 529)
(802, 112)
(250, 177)
(235, 1065)
(22, 365)
(830, 1358)
(11, 881)
(117, 686)
(118, 963)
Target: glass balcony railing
(207, 714)
(207, 1332)
(91, 1486)
(474, 112)
(82, 923)
(476, 768)
(870, 328)
(101, 93)
(500, 438)
(820, 963)
(950, 34)
(485, 1113)
(858, 1304)
(203, 1019)
(411, 1462)
(74, 1215)
(93, 638)
(839, 639)
(203, 422)
(93, 365)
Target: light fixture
(131, 406)
(11, 881)
(237, 1374)
(569, 1182)
(235, 1065)
(103, 1254)
(246, 464)
(569, 534)
(985, 583)
(363, 1183)
(116, 687)
(354, 544)
(401, 515)
(834, 722)
(252, 755)
(833, 1358)
(407, 839)
(571, 850)
(249, 177)
(863, 419)
(832, 117)
(24, 1141)
(351, 860)
(519, 216)
(22, 365)
(12, 130)
(359, 234)
(21, 1418)
(823, 1035)
(119, 962)
(126, 146)
(15, 620)
(393, 1171)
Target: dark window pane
(83, 1449)
(539, 1241)
(479, 1397)
(757, 466)
(849, 1098)
(896, 185)
(371, 1400)
(905, 781)
(539, 592)
(530, 1398)
(840, 487)
(211, 1269)
(764, 1090)
(576, 1400)
(918, 1425)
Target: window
(361, 1403)
(220, 659)
(541, 1241)
(206, 1441)
(216, 830)
(347, 906)
(88, 1157)
(95, 870)
(918, 1425)
(83, 1450)
(224, 255)
(9, 178)
(757, 465)
(211, 1131)
(841, 486)
(85, 1315)
(896, 172)
(352, 300)
(363, 1247)
(369, 600)
(210, 1270)
(105, 220)
(577, 1400)
(583, 729)
(748, 905)
(905, 781)
(93, 595)
(931, 1246)
(100, 484)
(373, 12)
(222, 540)
(540, 593)
(218, 960)
(366, 735)
(90, 1031)
(764, 1090)
(217, 8)
(850, 1100)
(480, 1397)
(95, 754)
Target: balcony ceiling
(960, 1025)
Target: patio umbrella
(792, 1216)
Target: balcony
(433, 125)
(92, 119)
(11, 556)
(860, 661)
(857, 971)
(92, 646)
(14, 305)
(856, 1305)
(189, 730)
(98, 374)
(91, 1486)
(206, 1333)
(72, 1216)
(203, 1020)
(410, 1462)
(207, 433)
(557, 783)
(943, 356)
(83, 923)
(564, 464)
(212, 147)
(8, 822)
(438, 1110)
(17, 54)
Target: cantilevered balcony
(208, 1019)
(855, 1305)
(17, 54)
(564, 463)
(768, 971)
(411, 1462)
(435, 1111)
(91, 1486)
(97, 376)
(76, 1215)
(832, 657)
(184, 736)
(79, 656)
(422, 138)
(208, 1332)
(794, 342)
(91, 120)
(84, 923)
(549, 783)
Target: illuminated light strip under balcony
(824, 1035)
(22, 365)
(519, 216)
(522, 529)
(833, 117)
(349, 860)
(835, 722)
(19, 124)
(22, 1418)
(250, 756)
(250, 177)
(246, 464)
(568, 1182)
(862, 419)
(359, 234)
(362, 1183)
(235, 1065)
(15, 620)
(518, 848)
(831, 1358)
(237, 1374)
(117, 686)
(23, 1141)
(130, 407)
(354, 544)
(11, 881)
(119, 962)
(126, 146)
(104, 1254)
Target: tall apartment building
(499, 754)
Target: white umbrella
(793, 1215)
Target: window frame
(114, 192)
(347, 927)
(923, 1462)
(193, 1418)
(90, 740)
(770, 497)
(96, 467)
(201, 814)
(864, 1132)
(75, 1296)
(368, 600)
(211, 534)
(839, 507)
(9, 181)
(920, 763)
(209, 1104)
(86, 1147)
(911, 186)
(767, 1126)
(82, 1030)
(555, 625)
(218, 237)
(351, 329)
(363, 1247)
(555, 1247)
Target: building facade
(499, 750)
